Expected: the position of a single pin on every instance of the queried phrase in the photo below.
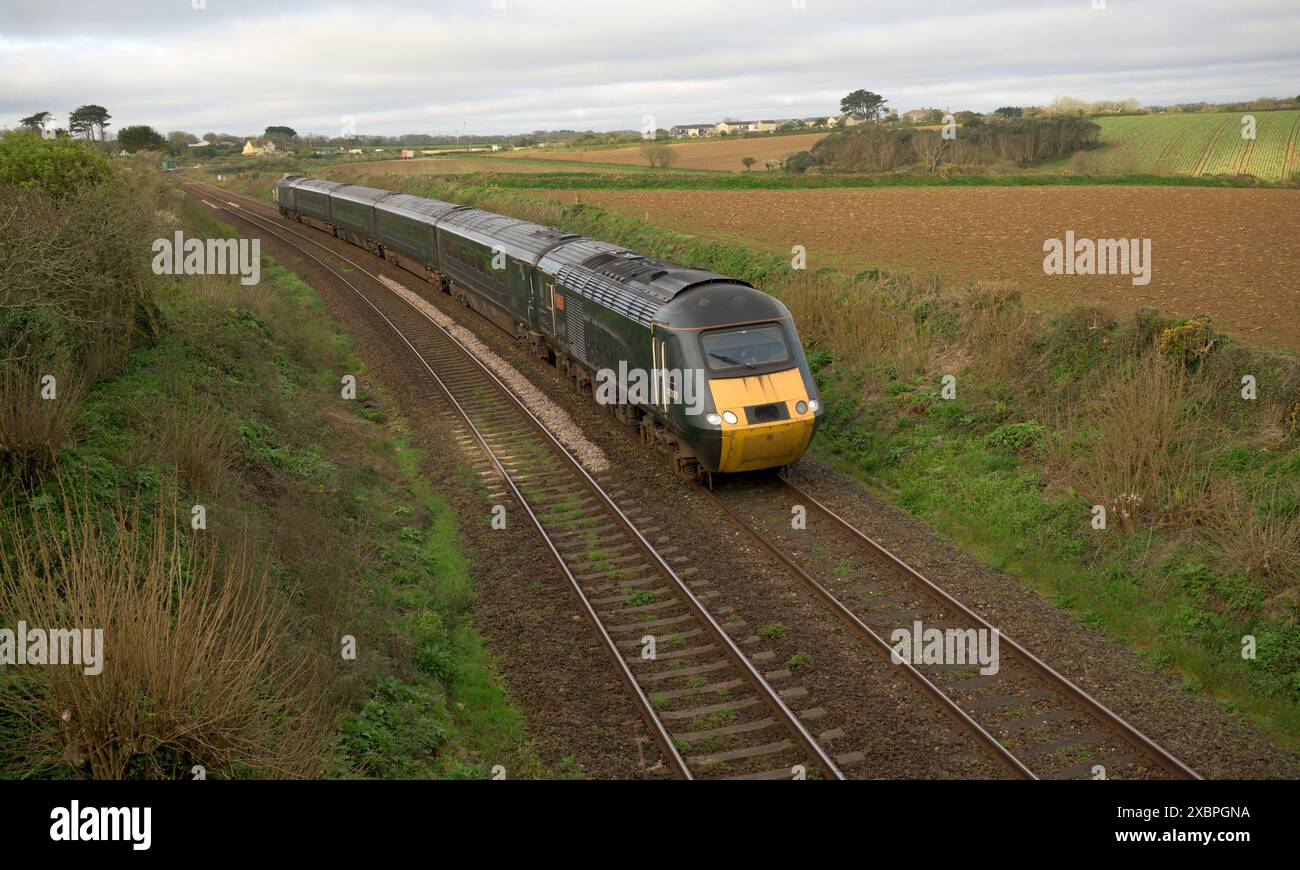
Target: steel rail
(1091, 705)
(950, 707)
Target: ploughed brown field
(1229, 253)
(705, 154)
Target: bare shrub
(199, 443)
(1246, 538)
(33, 428)
(74, 297)
(859, 320)
(929, 148)
(998, 329)
(658, 154)
(1141, 459)
(194, 669)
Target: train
(724, 385)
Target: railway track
(706, 703)
(1027, 716)
(1030, 717)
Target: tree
(287, 132)
(1068, 106)
(36, 123)
(929, 147)
(1010, 112)
(749, 162)
(89, 122)
(863, 102)
(800, 163)
(179, 142)
(141, 137)
(657, 154)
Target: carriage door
(547, 315)
(658, 379)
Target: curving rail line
(1028, 716)
(625, 585)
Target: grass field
(1199, 144)
(723, 154)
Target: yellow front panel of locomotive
(752, 446)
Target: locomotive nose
(773, 419)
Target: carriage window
(746, 348)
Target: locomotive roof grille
(610, 294)
(627, 266)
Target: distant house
(764, 125)
(851, 120)
(729, 127)
(916, 116)
(202, 143)
(258, 147)
(691, 131)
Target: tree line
(1022, 141)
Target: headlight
(814, 405)
(801, 407)
(730, 417)
(714, 419)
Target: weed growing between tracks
(237, 408)
(1052, 415)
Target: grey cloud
(239, 65)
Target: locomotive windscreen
(747, 348)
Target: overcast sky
(508, 66)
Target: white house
(691, 131)
(258, 147)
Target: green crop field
(1200, 144)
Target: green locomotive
(707, 367)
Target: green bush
(56, 167)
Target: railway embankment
(214, 480)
